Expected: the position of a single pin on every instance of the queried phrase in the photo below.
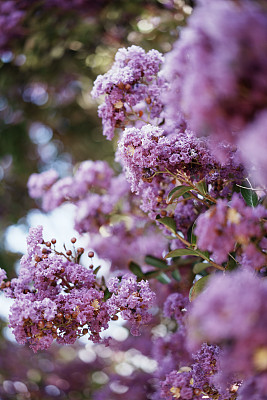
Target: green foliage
(177, 192)
(156, 262)
(250, 197)
(198, 287)
(168, 222)
(136, 269)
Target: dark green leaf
(135, 269)
(163, 278)
(176, 275)
(169, 222)
(177, 192)
(198, 267)
(231, 264)
(107, 294)
(198, 287)
(181, 252)
(250, 197)
(156, 262)
(150, 274)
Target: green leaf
(107, 294)
(150, 274)
(198, 267)
(169, 222)
(191, 236)
(231, 265)
(198, 287)
(250, 197)
(135, 269)
(177, 192)
(97, 269)
(202, 254)
(202, 186)
(181, 252)
(156, 262)
(163, 278)
(176, 275)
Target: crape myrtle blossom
(56, 298)
(232, 312)
(154, 160)
(179, 385)
(105, 209)
(254, 388)
(132, 89)
(233, 89)
(225, 226)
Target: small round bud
(62, 270)
(8, 284)
(163, 213)
(159, 199)
(140, 113)
(115, 318)
(80, 250)
(41, 324)
(53, 241)
(59, 315)
(48, 244)
(148, 100)
(37, 258)
(49, 324)
(69, 252)
(127, 86)
(91, 254)
(120, 85)
(73, 240)
(84, 331)
(75, 314)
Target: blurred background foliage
(50, 54)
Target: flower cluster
(133, 298)
(57, 298)
(179, 385)
(223, 229)
(132, 89)
(233, 90)
(99, 211)
(230, 312)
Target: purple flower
(132, 88)
(231, 311)
(175, 306)
(233, 88)
(222, 226)
(38, 184)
